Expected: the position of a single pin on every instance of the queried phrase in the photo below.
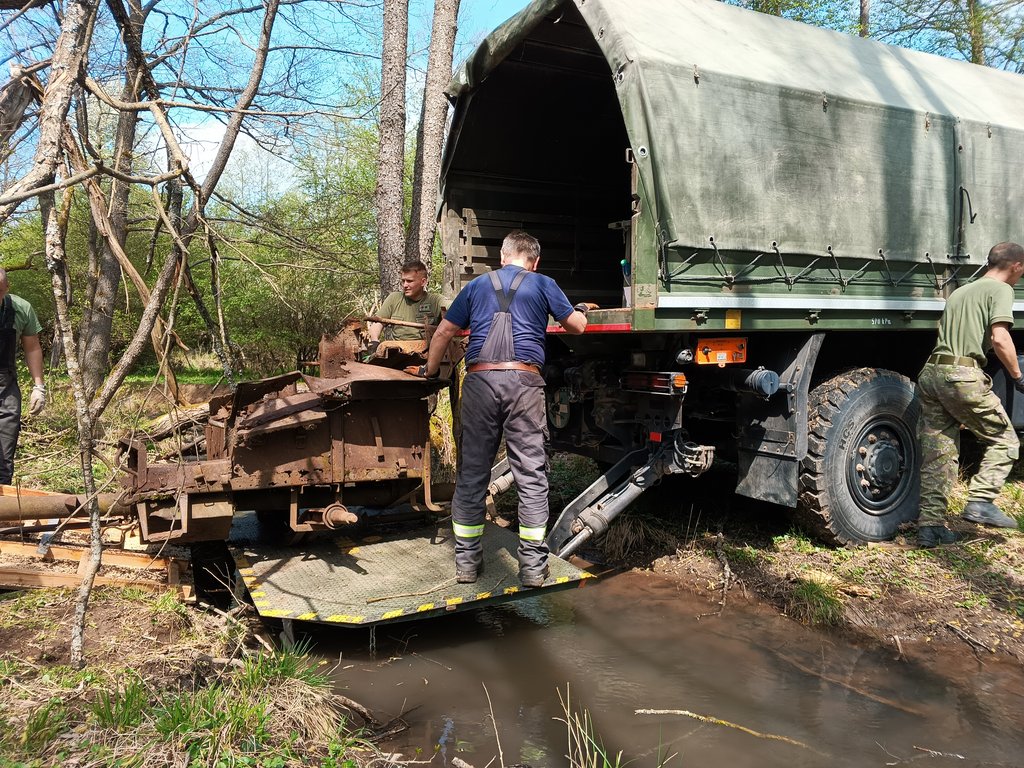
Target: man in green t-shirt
(17, 321)
(412, 304)
(955, 391)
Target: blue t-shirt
(538, 297)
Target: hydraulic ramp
(381, 578)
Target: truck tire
(861, 477)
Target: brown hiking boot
(534, 580)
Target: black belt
(510, 366)
(967, 362)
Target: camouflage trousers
(951, 396)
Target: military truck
(770, 216)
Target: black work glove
(421, 371)
(582, 307)
(371, 348)
(1018, 383)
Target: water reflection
(634, 642)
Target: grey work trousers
(10, 424)
(496, 403)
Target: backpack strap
(505, 299)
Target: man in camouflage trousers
(955, 391)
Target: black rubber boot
(929, 536)
(987, 513)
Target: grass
(164, 703)
(815, 602)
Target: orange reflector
(679, 381)
(721, 350)
(655, 437)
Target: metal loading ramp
(380, 579)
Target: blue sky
(481, 16)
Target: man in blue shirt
(503, 394)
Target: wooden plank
(12, 490)
(18, 578)
(110, 557)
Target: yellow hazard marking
(306, 616)
(344, 618)
(482, 595)
(261, 604)
(426, 607)
(586, 575)
(511, 590)
(561, 580)
(241, 562)
(258, 593)
(453, 601)
(734, 318)
(277, 613)
(393, 614)
(246, 571)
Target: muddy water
(632, 642)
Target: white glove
(37, 401)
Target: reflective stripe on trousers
(496, 403)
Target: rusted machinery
(302, 451)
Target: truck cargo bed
(379, 579)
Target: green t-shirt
(25, 321)
(396, 307)
(970, 312)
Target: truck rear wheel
(860, 479)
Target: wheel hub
(880, 464)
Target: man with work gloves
(503, 394)
(955, 391)
(17, 321)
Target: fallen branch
(726, 576)
(727, 724)
(442, 585)
(973, 642)
(847, 686)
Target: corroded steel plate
(380, 579)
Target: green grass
(815, 603)
(123, 706)
(745, 555)
(795, 541)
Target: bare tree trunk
(976, 28)
(98, 315)
(55, 263)
(865, 18)
(15, 97)
(388, 195)
(419, 244)
(65, 66)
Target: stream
(773, 693)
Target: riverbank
(965, 598)
(165, 684)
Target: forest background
(222, 182)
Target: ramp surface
(381, 578)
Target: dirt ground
(965, 598)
